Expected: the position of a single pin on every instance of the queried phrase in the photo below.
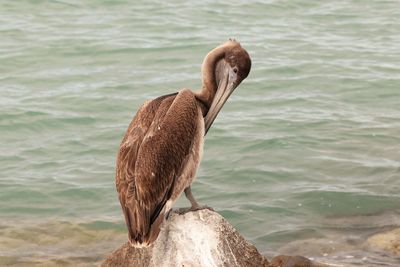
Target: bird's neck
(210, 84)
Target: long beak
(224, 90)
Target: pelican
(162, 147)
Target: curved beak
(225, 88)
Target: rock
(389, 241)
(295, 261)
(290, 261)
(201, 238)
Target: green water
(303, 159)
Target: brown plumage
(161, 150)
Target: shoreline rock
(202, 238)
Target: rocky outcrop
(201, 238)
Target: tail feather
(144, 221)
(143, 231)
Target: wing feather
(151, 157)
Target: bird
(162, 147)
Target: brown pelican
(161, 150)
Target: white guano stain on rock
(191, 243)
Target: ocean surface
(304, 158)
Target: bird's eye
(235, 70)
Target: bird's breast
(189, 167)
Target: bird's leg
(190, 197)
(195, 206)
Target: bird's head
(224, 68)
(235, 65)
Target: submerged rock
(389, 241)
(290, 261)
(296, 261)
(201, 238)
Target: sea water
(304, 158)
